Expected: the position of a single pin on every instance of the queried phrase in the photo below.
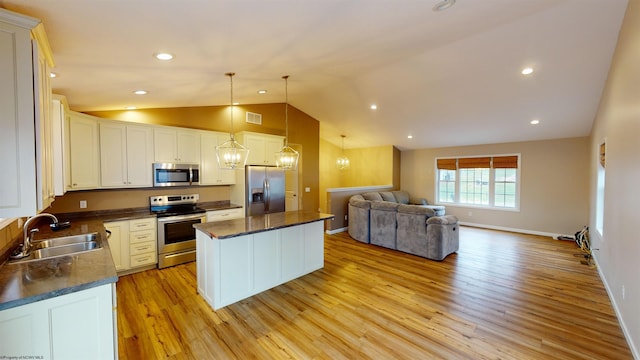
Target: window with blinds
(485, 181)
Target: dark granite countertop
(26, 282)
(259, 223)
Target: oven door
(176, 233)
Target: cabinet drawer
(142, 236)
(141, 248)
(142, 224)
(219, 215)
(143, 259)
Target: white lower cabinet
(229, 270)
(78, 325)
(226, 214)
(133, 243)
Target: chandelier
(287, 158)
(343, 162)
(231, 154)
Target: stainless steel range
(176, 235)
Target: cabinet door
(165, 146)
(17, 148)
(139, 156)
(292, 239)
(81, 325)
(188, 146)
(59, 131)
(256, 150)
(113, 154)
(44, 145)
(271, 147)
(119, 243)
(78, 325)
(210, 172)
(84, 151)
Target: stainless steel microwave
(170, 174)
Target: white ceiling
(447, 78)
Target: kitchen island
(239, 258)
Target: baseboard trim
(614, 304)
(504, 228)
(335, 231)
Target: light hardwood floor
(502, 296)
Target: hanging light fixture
(287, 158)
(343, 161)
(231, 154)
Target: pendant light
(287, 158)
(343, 162)
(231, 154)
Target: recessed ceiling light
(410, 137)
(53, 74)
(131, 108)
(141, 92)
(374, 107)
(443, 5)
(534, 122)
(262, 91)
(527, 71)
(163, 56)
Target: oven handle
(190, 175)
(181, 218)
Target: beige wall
(303, 131)
(554, 184)
(618, 121)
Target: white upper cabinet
(262, 147)
(126, 155)
(176, 145)
(60, 135)
(84, 151)
(25, 134)
(210, 172)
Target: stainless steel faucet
(28, 234)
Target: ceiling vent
(254, 118)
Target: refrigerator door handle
(267, 194)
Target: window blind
(505, 162)
(447, 164)
(495, 162)
(474, 163)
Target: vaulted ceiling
(447, 78)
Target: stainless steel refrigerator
(265, 190)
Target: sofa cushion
(384, 206)
(373, 196)
(402, 197)
(416, 209)
(387, 196)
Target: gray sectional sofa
(394, 220)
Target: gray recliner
(420, 233)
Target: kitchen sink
(62, 246)
(63, 241)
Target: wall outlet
(83, 204)
(470, 214)
(345, 217)
(307, 189)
